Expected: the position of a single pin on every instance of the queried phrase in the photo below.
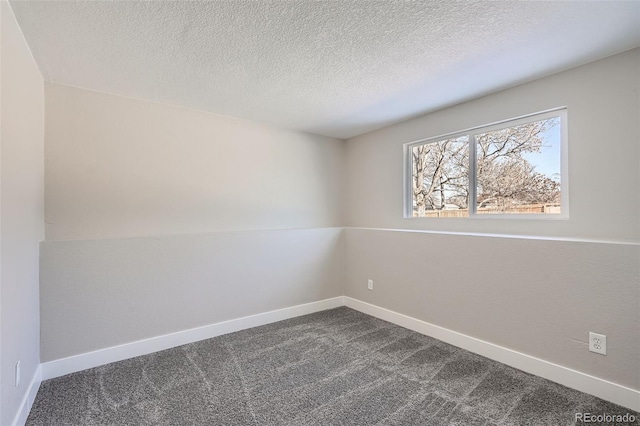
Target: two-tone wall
(21, 218)
(162, 219)
(537, 287)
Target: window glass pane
(518, 169)
(440, 176)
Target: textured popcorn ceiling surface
(338, 68)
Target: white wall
(119, 167)
(604, 185)
(179, 219)
(22, 214)
(567, 278)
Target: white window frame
(560, 112)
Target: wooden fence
(527, 209)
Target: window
(514, 168)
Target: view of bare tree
(505, 177)
(440, 168)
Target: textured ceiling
(338, 68)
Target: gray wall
(22, 214)
(538, 297)
(568, 277)
(101, 293)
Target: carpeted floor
(336, 367)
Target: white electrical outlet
(598, 343)
(17, 373)
(370, 284)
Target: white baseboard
(27, 401)
(618, 394)
(75, 363)
(601, 388)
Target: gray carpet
(336, 367)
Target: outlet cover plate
(598, 343)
